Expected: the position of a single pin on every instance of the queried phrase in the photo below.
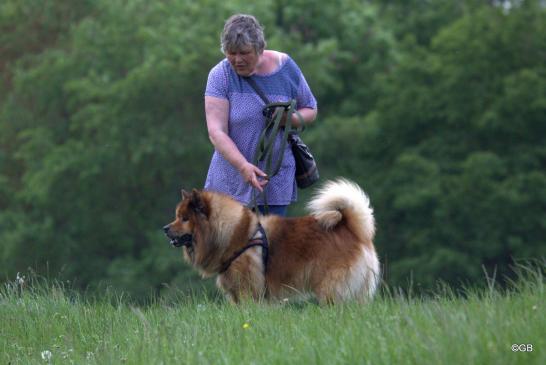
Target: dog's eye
(185, 219)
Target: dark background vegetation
(436, 108)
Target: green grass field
(49, 324)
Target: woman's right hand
(254, 176)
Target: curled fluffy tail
(340, 199)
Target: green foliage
(453, 156)
(436, 108)
(106, 136)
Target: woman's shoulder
(221, 66)
(219, 79)
(275, 57)
(221, 71)
(275, 63)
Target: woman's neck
(269, 62)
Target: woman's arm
(217, 115)
(307, 114)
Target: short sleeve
(217, 85)
(304, 95)
(305, 98)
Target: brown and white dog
(328, 253)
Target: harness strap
(259, 241)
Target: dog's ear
(199, 204)
(185, 194)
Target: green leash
(266, 142)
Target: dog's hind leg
(327, 291)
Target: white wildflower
(46, 355)
(20, 280)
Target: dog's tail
(340, 199)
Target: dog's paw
(328, 220)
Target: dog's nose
(166, 228)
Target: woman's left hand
(307, 116)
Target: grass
(478, 327)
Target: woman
(235, 120)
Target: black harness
(255, 241)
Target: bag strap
(256, 88)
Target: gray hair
(242, 30)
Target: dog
(328, 253)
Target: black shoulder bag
(306, 168)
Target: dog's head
(205, 225)
(189, 212)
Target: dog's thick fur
(328, 253)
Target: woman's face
(243, 60)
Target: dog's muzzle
(184, 240)
(178, 241)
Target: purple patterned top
(245, 124)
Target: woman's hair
(242, 30)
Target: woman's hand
(307, 114)
(254, 176)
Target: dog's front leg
(241, 285)
(224, 283)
